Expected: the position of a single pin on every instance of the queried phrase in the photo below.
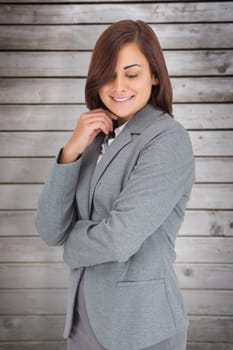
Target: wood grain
(45, 275)
(215, 329)
(38, 327)
(36, 345)
(45, 49)
(85, 13)
(83, 37)
(207, 223)
(208, 346)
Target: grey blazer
(119, 221)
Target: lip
(121, 99)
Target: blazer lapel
(89, 160)
(136, 125)
(111, 151)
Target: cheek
(103, 92)
(144, 86)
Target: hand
(89, 125)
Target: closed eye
(131, 76)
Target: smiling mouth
(121, 99)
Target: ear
(155, 81)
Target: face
(130, 89)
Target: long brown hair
(104, 58)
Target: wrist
(68, 157)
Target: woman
(117, 204)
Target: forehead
(130, 54)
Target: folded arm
(165, 170)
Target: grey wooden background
(45, 50)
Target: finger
(93, 126)
(105, 111)
(100, 118)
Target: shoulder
(165, 127)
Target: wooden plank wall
(45, 50)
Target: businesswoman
(116, 204)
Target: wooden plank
(202, 250)
(35, 170)
(199, 62)
(53, 302)
(189, 250)
(206, 302)
(17, 223)
(83, 37)
(204, 196)
(33, 301)
(19, 196)
(71, 90)
(200, 89)
(55, 275)
(40, 327)
(64, 117)
(221, 143)
(44, 64)
(28, 249)
(34, 64)
(207, 223)
(47, 144)
(75, 64)
(203, 116)
(214, 329)
(89, 13)
(203, 222)
(204, 276)
(24, 170)
(42, 117)
(207, 346)
(43, 327)
(41, 90)
(51, 275)
(35, 345)
(32, 144)
(208, 196)
(214, 169)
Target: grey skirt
(83, 338)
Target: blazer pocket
(141, 314)
(141, 282)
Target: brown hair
(104, 58)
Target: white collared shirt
(108, 142)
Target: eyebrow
(132, 65)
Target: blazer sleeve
(56, 212)
(163, 173)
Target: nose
(119, 84)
